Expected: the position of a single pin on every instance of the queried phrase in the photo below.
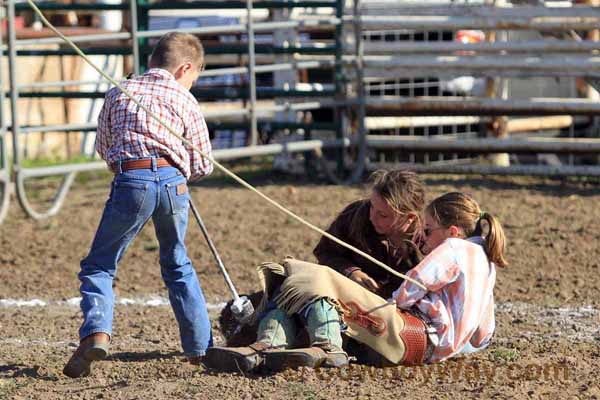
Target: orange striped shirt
(459, 299)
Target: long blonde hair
(462, 210)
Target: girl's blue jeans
(135, 197)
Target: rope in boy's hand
(221, 167)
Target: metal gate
(349, 84)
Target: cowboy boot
(323, 323)
(92, 348)
(323, 326)
(235, 359)
(280, 360)
(275, 330)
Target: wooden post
(498, 126)
(592, 92)
(521, 125)
(584, 89)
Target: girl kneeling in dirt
(388, 225)
(453, 315)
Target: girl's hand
(364, 280)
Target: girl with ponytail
(451, 313)
(463, 245)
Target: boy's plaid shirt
(125, 131)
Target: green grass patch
(7, 387)
(502, 354)
(299, 390)
(53, 161)
(246, 169)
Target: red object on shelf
(469, 36)
(19, 24)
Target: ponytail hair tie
(482, 214)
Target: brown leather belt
(414, 338)
(145, 163)
(418, 336)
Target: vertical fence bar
(572, 93)
(338, 77)
(4, 172)
(14, 90)
(141, 14)
(497, 128)
(591, 92)
(251, 75)
(411, 93)
(135, 44)
(360, 91)
(19, 175)
(427, 90)
(440, 128)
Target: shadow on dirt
(263, 175)
(257, 374)
(133, 356)
(259, 178)
(21, 370)
(562, 187)
(112, 386)
(554, 187)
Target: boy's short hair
(175, 48)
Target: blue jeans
(135, 197)
(320, 318)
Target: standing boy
(151, 168)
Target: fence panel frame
(566, 19)
(5, 183)
(138, 20)
(433, 59)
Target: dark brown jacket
(346, 261)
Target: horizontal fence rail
(355, 109)
(527, 170)
(239, 28)
(386, 23)
(286, 106)
(485, 145)
(397, 48)
(396, 105)
(168, 5)
(529, 46)
(516, 66)
(76, 39)
(218, 154)
(394, 8)
(232, 4)
(249, 111)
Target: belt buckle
(432, 342)
(430, 331)
(432, 336)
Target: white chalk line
(574, 323)
(123, 342)
(519, 308)
(148, 301)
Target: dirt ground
(546, 343)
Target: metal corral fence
(564, 47)
(252, 114)
(4, 175)
(350, 85)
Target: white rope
(221, 167)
